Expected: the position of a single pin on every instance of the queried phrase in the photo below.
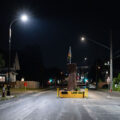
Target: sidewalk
(6, 97)
(14, 95)
(20, 93)
(113, 93)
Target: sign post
(25, 85)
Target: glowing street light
(111, 56)
(23, 18)
(82, 38)
(85, 58)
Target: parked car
(92, 86)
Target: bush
(116, 88)
(116, 81)
(77, 89)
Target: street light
(23, 18)
(111, 55)
(85, 58)
(82, 38)
(100, 44)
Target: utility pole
(111, 62)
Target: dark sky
(54, 25)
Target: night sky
(54, 26)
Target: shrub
(116, 81)
(77, 89)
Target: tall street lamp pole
(24, 19)
(111, 62)
(9, 60)
(111, 56)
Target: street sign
(25, 84)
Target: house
(13, 70)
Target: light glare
(24, 18)
(82, 38)
(85, 58)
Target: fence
(30, 84)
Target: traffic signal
(86, 80)
(50, 80)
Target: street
(46, 106)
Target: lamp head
(24, 17)
(82, 38)
(85, 58)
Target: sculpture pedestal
(72, 69)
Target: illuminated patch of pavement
(47, 106)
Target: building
(15, 67)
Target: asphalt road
(46, 106)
